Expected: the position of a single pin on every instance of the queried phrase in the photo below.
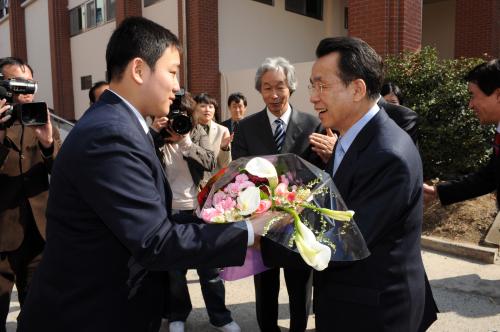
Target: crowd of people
(121, 215)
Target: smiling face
(237, 110)
(487, 108)
(159, 87)
(275, 92)
(332, 99)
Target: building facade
(225, 40)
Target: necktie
(234, 126)
(496, 144)
(279, 134)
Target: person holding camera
(186, 155)
(26, 156)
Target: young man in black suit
(484, 87)
(377, 170)
(110, 233)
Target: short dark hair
(236, 97)
(389, 87)
(96, 86)
(204, 98)
(357, 61)
(13, 61)
(137, 37)
(187, 103)
(486, 76)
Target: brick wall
(203, 47)
(60, 55)
(389, 26)
(17, 30)
(477, 28)
(126, 8)
(180, 25)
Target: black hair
(13, 61)
(357, 61)
(389, 87)
(137, 37)
(204, 98)
(236, 97)
(96, 86)
(486, 76)
(187, 103)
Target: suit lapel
(344, 171)
(265, 133)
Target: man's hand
(3, 119)
(323, 144)
(44, 133)
(430, 194)
(159, 123)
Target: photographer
(26, 156)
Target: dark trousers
(212, 288)
(18, 267)
(179, 304)
(267, 286)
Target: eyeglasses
(317, 87)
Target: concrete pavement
(467, 293)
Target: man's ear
(359, 87)
(137, 70)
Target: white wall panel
(4, 39)
(38, 48)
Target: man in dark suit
(377, 170)
(259, 134)
(484, 87)
(237, 104)
(110, 233)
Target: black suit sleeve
(472, 185)
(120, 185)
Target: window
(86, 82)
(311, 8)
(148, 3)
(90, 14)
(267, 2)
(4, 8)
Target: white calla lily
(248, 201)
(314, 253)
(263, 168)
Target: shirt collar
(285, 117)
(346, 140)
(138, 115)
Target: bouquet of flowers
(322, 228)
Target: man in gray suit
(280, 128)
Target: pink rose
(241, 178)
(218, 197)
(226, 204)
(232, 189)
(209, 214)
(264, 205)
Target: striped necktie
(279, 134)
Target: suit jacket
(228, 124)
(380, 178)
(481, 182)
(404, 117)
(215, 135)
(16, 187)
(255, 137)
(110, 234)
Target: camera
(29, 114)
(178, 122)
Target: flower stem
(335, 214)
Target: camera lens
(181, 124)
